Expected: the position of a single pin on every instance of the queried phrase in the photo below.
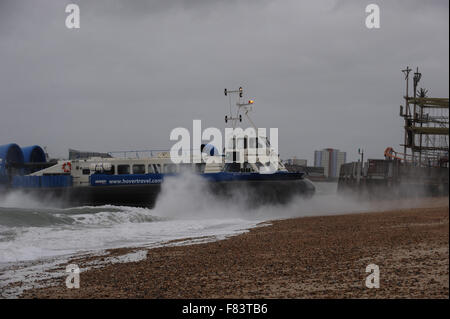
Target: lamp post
(361, 152)
(360, 175)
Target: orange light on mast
(251, 101)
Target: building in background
(331, 160)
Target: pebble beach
(309, 257)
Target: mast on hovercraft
(243, 108)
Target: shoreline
(306, 257)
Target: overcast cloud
(137, 69)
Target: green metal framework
(426, 126)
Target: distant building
(331, 160)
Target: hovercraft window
(139, 169)
(154, 168)
(123, 169)
(110, 171)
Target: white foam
(41, 242)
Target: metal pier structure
(422, 169)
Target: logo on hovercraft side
(127, 181)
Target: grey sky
(137, 69)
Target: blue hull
(143, 190)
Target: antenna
(240, 91)
(242, 107)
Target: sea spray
(22, 199)
(32, 230)
(188, 196)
